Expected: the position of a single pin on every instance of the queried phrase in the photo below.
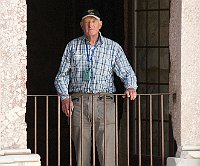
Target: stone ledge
(22, 164)
(188, 152)
(173, 161)
(15, 152)
(189, 155)
(19, 159)
(188, 148)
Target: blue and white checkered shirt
(108, 58)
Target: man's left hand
(130, 92)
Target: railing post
(35, 123)
(139, 129)
(151, 131)
(127, 130)
(82, 129)
(93, 131)
(58, 130)
(162, 130)
(116, 130)
(104, 130)
(47, 130)
(70, 139)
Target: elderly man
(87, 67)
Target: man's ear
(101, 23)
(81, 24)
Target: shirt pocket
(103, 67)
(78, 64)
(76, 60)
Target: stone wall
(175, 67)
(184, 71)
(184, 81)
(13, 61)
(190, 77)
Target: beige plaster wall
(185, 70)
(13, 74)
(190, 68)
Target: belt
(99, 95)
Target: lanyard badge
(88, 72)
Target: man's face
(91, 26)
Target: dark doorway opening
(51, 25)
(139, 26)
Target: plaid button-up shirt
(108, 57)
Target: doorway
(51, 25)
(140, 27)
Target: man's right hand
(67, 106)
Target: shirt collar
(100, 41)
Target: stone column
(13, 76)
(185, 81)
